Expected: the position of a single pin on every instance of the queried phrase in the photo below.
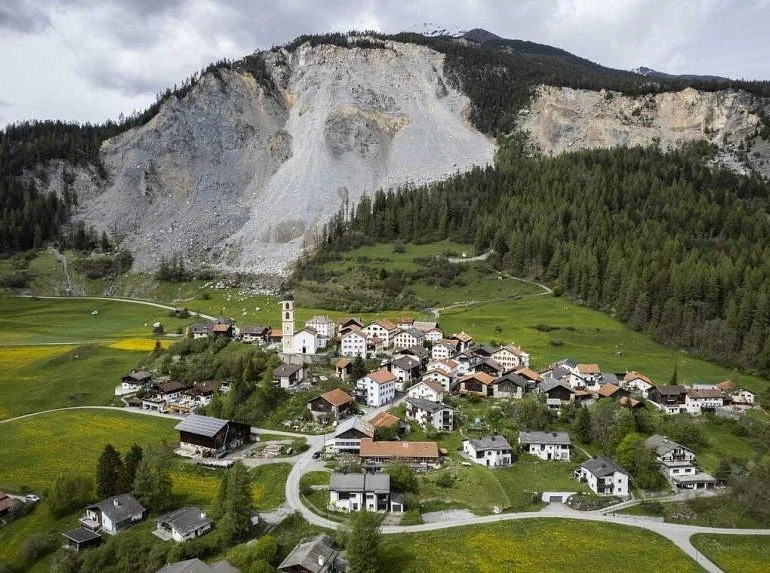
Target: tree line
(665, 242)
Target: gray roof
(695, 478)
(490, 443)
(424, 325)
(568, 362)
(308, 554)
(287, 370)
(559, 438)
(516, 379)
(427, 405)
(254, 329)
(602, 467)
(126, 507)
(377, 483)
(355, 423)
(81, 535)
(406, 363)
(201, 425)
(662, 445)
(549, 385)
(139, 375)
(672, 390)
(414, 332)
(185, 520)
(198, 566)
(560, 372)
(610, 378)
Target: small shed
(81, 538)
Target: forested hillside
(663, 241)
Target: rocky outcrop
(243, 177)
(564, 119)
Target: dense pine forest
(664, 241)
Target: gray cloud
(21, 16)
(111, 53)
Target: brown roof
(527, 373)
(626, 401)
(384, 420)
(450, 363)
(704, 393)
(386, 324)
(381, 376)
(5, 502)
(439, 371)
(634, 375)
(726, 386)
(276, 333)
(608, 390)
(482, 377)
(450, 342)
(171, 386)
(342, 363)
(337, 397)
(588, 368)
(435, 386)
(405, 320)
(462, 336)
(221, 327)
(372, 449)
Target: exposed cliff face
(243, 177)
(564, 119)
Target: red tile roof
(337, 397)
(381, 376)
(372, 449)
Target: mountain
(650, 73)
(242, 166)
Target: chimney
(321, 560)
(116, 502)
(203, 515)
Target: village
(433, 400)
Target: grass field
(735, 553)
(536, 545)
(383, 255)
(35, 450)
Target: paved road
(130, 300)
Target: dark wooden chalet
(205, 435)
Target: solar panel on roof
(201, 425)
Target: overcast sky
(89, 60)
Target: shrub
(38, 545)
(445, 480)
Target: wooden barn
(205, 435)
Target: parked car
(316, 455)
(31, 497)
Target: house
(224, 328)
(671, 399)
(383, 329)
(556, 393)
(444, 349)
(405, 322)
(638, 383)
(491, 451)
(201, 330)
(323, 325)
(430, 414)
(478, 384)
(289, 375)
(316, 555)
(511, 357)
(584, 375)
(603, 476)
(546, 445)
(349, 433)
(668, 450)
(198, 566)
(464, 339)
(183, 524)
(419, 352)
(488, 365)
(418, 456)
(342, 368)
(255, 334)
(206, 435)
(512, 385)
(379, 386)
(741, 398)
(406, 369)
(334, 404)
(134, 381)
(424, 325)
(427, 389)
(353, 343)
(113, 514)
(345, 324)
(306, 341)
(611, 391)
(275, 336)
(385, 420)
(81, 538)
(530, 375)
(408, 338)
(358, 491)
(698, 400)
(6, 502)
(432, 335)
(202, 392)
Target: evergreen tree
(131, 463)
(363, 542)
(152, 484)
(238, 506)
(582, 425)
(110, 473)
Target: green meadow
(735, 553)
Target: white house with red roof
(378, 386)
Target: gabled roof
(314, 555)
(350, 321)
(557, 438)
(198, 566)
(377, 483)
(285, 370)
(119, 507)
(386, 324)
(384, 420)
(256, 330)
(372, 449)
(427, 405)
(588, 369)
(342, 363)
(704, 393)
(185, 519)
(496, 442)
(354, 331)
(607, 390)
(221, 327)
(435, 386)
(310, 330)
(567, 362)
(381, 376)
(634, 375)
(439, 371)
(171, 386)
(354, 423)
(318, 319)
(602, 467)
(662, 445)
(139, 375)
(415, 333)
(529, 374)
(516, 379)
(201, 425)
(424, 325)
(481, 377)
(462, 336)
(550, 384)
(726, 386)
(672, 390)
(337, 397)
(406, 363)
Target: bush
(38, 545)
(445, 480)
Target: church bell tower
(287, 323)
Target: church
(305, 341)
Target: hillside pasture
(735, 553)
